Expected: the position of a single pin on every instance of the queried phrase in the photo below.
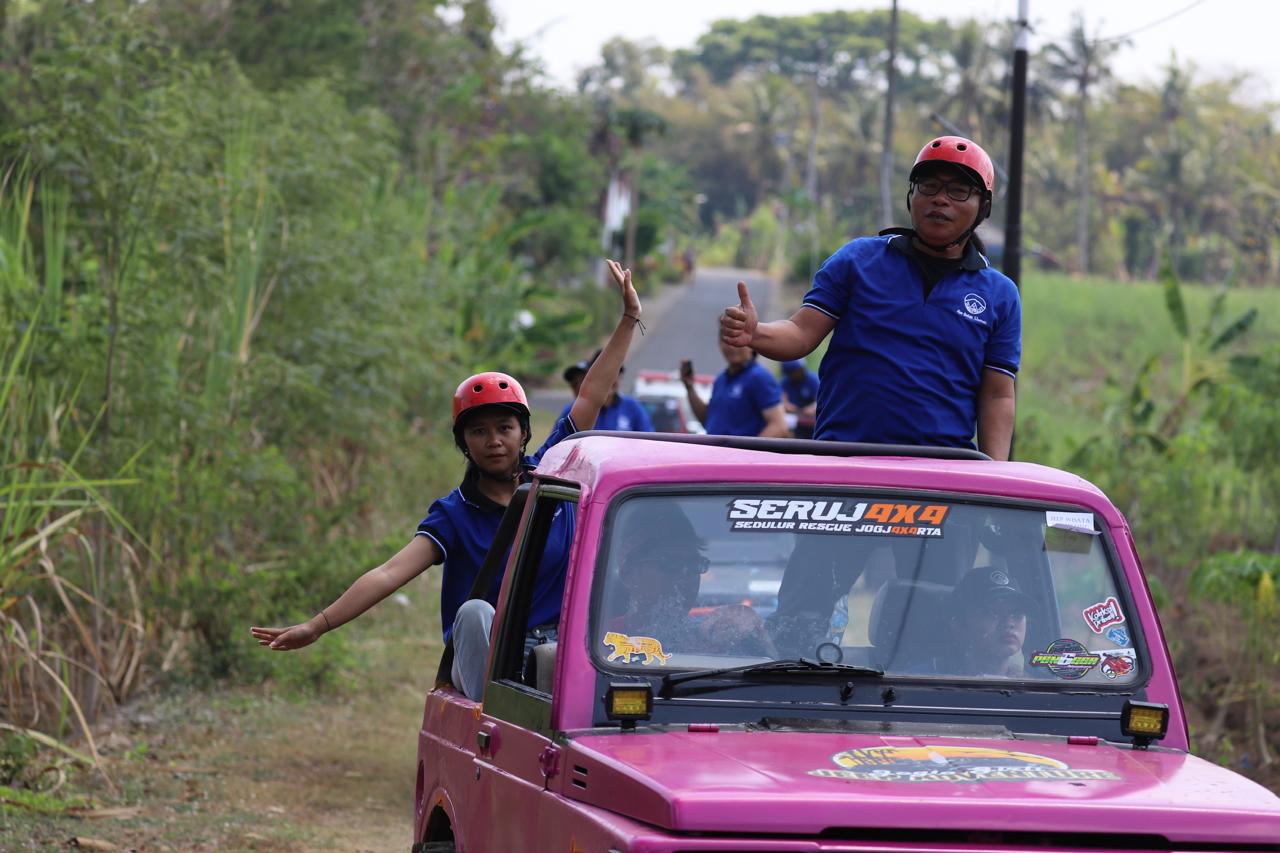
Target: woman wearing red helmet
(926, 335)
(491, 429)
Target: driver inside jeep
(987, 625)
(660, 565)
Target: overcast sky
(1220, 36)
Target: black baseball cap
(578, 368)
(581, 367)
(987, 584)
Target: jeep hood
(805, 783)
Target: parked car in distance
(663, 395)
(788, 645)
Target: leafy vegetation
(246, 249)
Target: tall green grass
(1085, 340)
(68, 643)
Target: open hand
(630, 299)
(738, 322)
(286, 639)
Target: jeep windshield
(917, 587)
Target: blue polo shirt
(904, 362)
(625, 414)
(464, 523)
(801, 393)
(738, 400)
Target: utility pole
(886, 145)
(1017, 135)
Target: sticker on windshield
(1118, 663)
(1118, 635)
(1076, 522)
(837, 516)
(1099, 616)
(627, 648)
(955, 764)
(1066, 659)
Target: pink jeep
(789, 645)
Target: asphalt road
(682, 321)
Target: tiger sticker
(625, 648)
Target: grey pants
(471, 646)
(472, 628)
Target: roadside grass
(262, 768)
(1078, 333)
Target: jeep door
(515, 755)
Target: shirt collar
(900, 239)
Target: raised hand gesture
(630, 299)
(738, 322)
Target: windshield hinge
(549, 761)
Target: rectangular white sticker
(1077, 522)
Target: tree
(1082, 65)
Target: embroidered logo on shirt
(974, 304)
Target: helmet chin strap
(516, 470)
(514, 474)
(956, 242)
(977, 220)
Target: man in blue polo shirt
(745, 398)
(926, 336)
(800, 395)
(799, 386)
(620, 412)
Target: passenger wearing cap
(926, 336)
(660, 563)
(620, 412)
(988, 626)
(491, 429)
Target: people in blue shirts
(745, 398)
(491, 429)
(620, 412)
(800, 395)
(799, 387)
(926, 337)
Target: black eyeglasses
(956, 191)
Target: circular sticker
(1066, 658)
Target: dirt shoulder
(252, 769)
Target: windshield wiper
(790, 666)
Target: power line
(1155, 23)
(1133, 32)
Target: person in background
(491, 429)
(800, 395)
(926, 336)
(620, 412)
(745, 398)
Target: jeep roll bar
(793, 445)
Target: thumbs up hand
(738, 322)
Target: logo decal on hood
(956, 764)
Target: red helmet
(960, 152)
(489, 389)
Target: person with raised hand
(491, 428)
(926, 336)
